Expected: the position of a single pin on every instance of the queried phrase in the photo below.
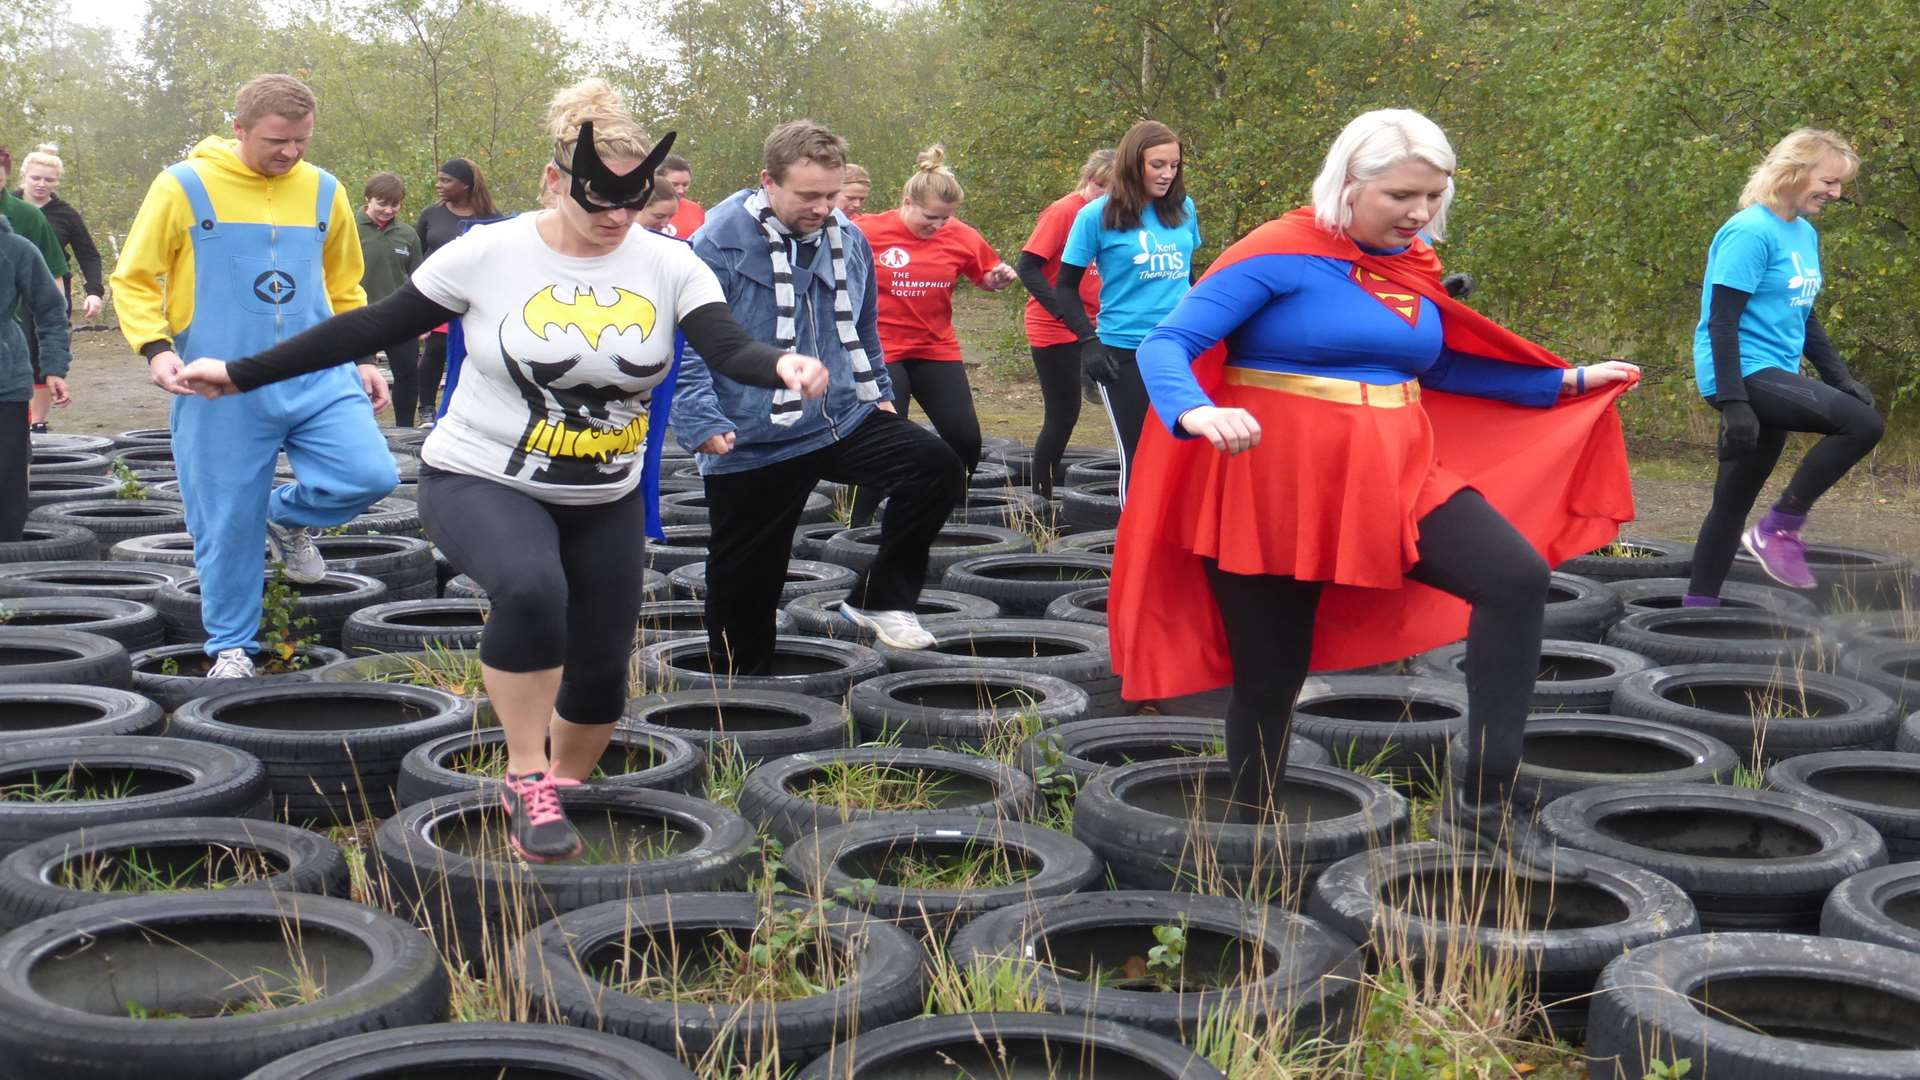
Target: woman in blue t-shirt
(1756, 322)
(1142, 235)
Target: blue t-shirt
(1143, 272)
(1778, 262)
(1311, 315)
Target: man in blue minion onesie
(235, 249)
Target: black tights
(1126, 401)
(404, 361)
(941, 388)
(433, 365)
(1059, 369)
(1466, 548)
(1784, 403)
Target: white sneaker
(294, 549)
(900, 629)
(231, 664)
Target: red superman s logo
(1404, 304)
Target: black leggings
(433, 366)
(1784, 403)
(1466, 548)
(1059, 369)
(1126, 401)
(16, 457)
(404, 361)
(564, 581)
(941, 388)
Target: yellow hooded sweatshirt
(153, 282)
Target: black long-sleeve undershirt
(407, 313)
(1066, 296)
(1723, 332)
(1032, 271)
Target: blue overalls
(254, 286)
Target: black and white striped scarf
(786, 403)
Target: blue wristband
(1579, 380)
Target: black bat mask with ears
(599, 189)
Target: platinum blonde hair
(1368, 146)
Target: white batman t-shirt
(562, 354)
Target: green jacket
(391, 254)
(28, 221)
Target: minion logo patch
(1401, 303)
(585, 313)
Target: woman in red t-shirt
(1056, 348)
(919, 252)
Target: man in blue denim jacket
(798, 275)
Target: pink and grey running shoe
(538, 828)
(1781, 553)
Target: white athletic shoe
(900, 629)
(231, 664)
(294, 549)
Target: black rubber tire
(1877, 905)
(653, 587)
(1019, 460)
(61, 461)
(1650, 558)
(820, 667)
(327, 602)
(1568, 752)
(548, 1051)
(1848, 579)
(304, 861)
(1876, 786)
(173, 691)
(1091, 505)
(1575, 675)
(690, 581)
(837, 862)
(447, 866)
(683, 544)
(754, 724)
(858, 548)
(404, 563)
(43, 542)
(810, 541)
(682, 620)
(1098, 542)
(1891, 667)
(1312, 971)
(399, 667)
(818, 614)
(50, 655)
(886, 978)
(990, 790)
(174, 548)
(1093, 469)
(64, 710)
(1848, 715)
(1076, 652)
(1398, 723)
(961, 710)
(1078, 750)
(414, 626)
(1818, 846)
(332, 750)
(639, 759)
(129, 622)
(1080, 605)
(1579, 609)
(1010, 1044)
(1906, 737)
(174, 953)
(114, 580)
(1665, 594)
(206, 781)
(146, 455)
(1127, 815)
(144, 437)
(690, 508)
(1843, 1009)
(391, 516)
(114, 520)
(1725, 636)
(45, 490)
(1023, 585)
(1441, 907)
(1011, 508)
(81, 444)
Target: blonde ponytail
(932, 181)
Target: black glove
(1102, 367)
(1458, 286)
(1856, 390)
(1739, 430)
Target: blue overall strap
(659, 409)
(456, 336)
(197, 200)
(323, 203)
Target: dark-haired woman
(463, 196)
(1141, 235)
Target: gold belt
(1343, 391)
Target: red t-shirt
(916, 282)
(1049, 239)
(686, 217)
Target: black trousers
(565, 582)
(1126, 401)
(752, 516)
(1059, 369)
(404, 361)
(433, 367)
(1784, 403)
(16, 457)
(1466, 548)
(941, 388)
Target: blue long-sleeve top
(1309, 315)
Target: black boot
(1494, 827)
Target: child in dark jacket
(25, 280)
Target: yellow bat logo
(591, 317)
(558, 440)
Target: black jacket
(74, 237)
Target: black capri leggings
(565, 582)
(1466, 548)
(433, 366)
(1059, 369)
(941, 388)
(1783, 402)
(403, 360)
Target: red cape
(1558, 474)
